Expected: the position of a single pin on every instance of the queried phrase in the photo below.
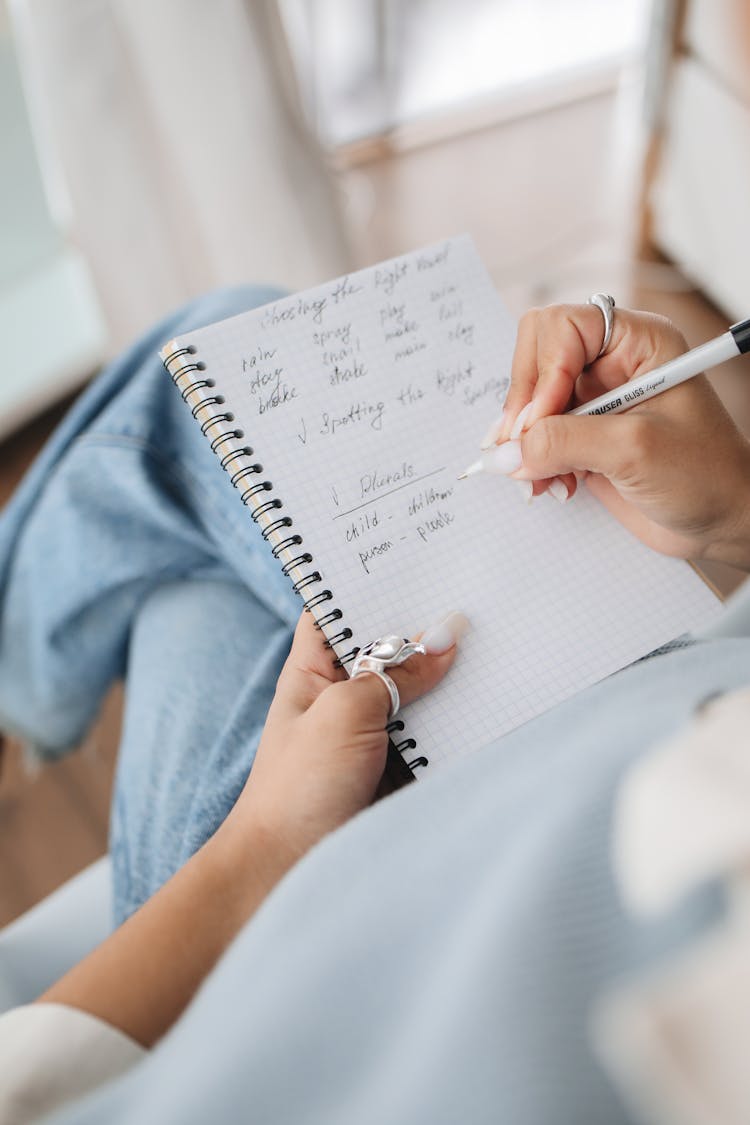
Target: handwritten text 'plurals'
(379, 479)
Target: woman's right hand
(674, 470)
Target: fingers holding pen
(557, 364)
(511, 459)
(554, 345)
(557, 445)
(556, 361)
(569, 340)
(522, 380)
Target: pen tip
(475, 467)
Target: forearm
(318, 764)
(142, 977)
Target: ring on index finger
(384, 653)
(606, 306)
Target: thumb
(562, 444)
(365, 700)
(418, 675)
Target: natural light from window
(369, 65)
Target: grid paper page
(364, 398)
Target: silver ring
(389, 685)
(384, 653)
(606, 306)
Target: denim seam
(169, 467)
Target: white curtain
(176, 150)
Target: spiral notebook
(343, 416)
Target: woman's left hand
(319, 762)
(324, 745)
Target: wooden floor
(54, 821)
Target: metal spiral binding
(406, 744)
(200, 394)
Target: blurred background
(153, 149)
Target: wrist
(141, 978)
(732, 546)
(248, 861)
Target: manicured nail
(520, 421)
(504, 459)
(490, 438)
(559, 490)
(439, 638)
(527, 490)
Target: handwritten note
(391, 351)
(363, 399)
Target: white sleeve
(52, 1054)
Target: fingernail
(439, 638)
(494, 432)
(519, 422)
(526, 489)
(559, 490)
(504, 458)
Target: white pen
(730, 344)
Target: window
(52, 335)
(367, 66)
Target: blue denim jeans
(125, 553)
(435, 960)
